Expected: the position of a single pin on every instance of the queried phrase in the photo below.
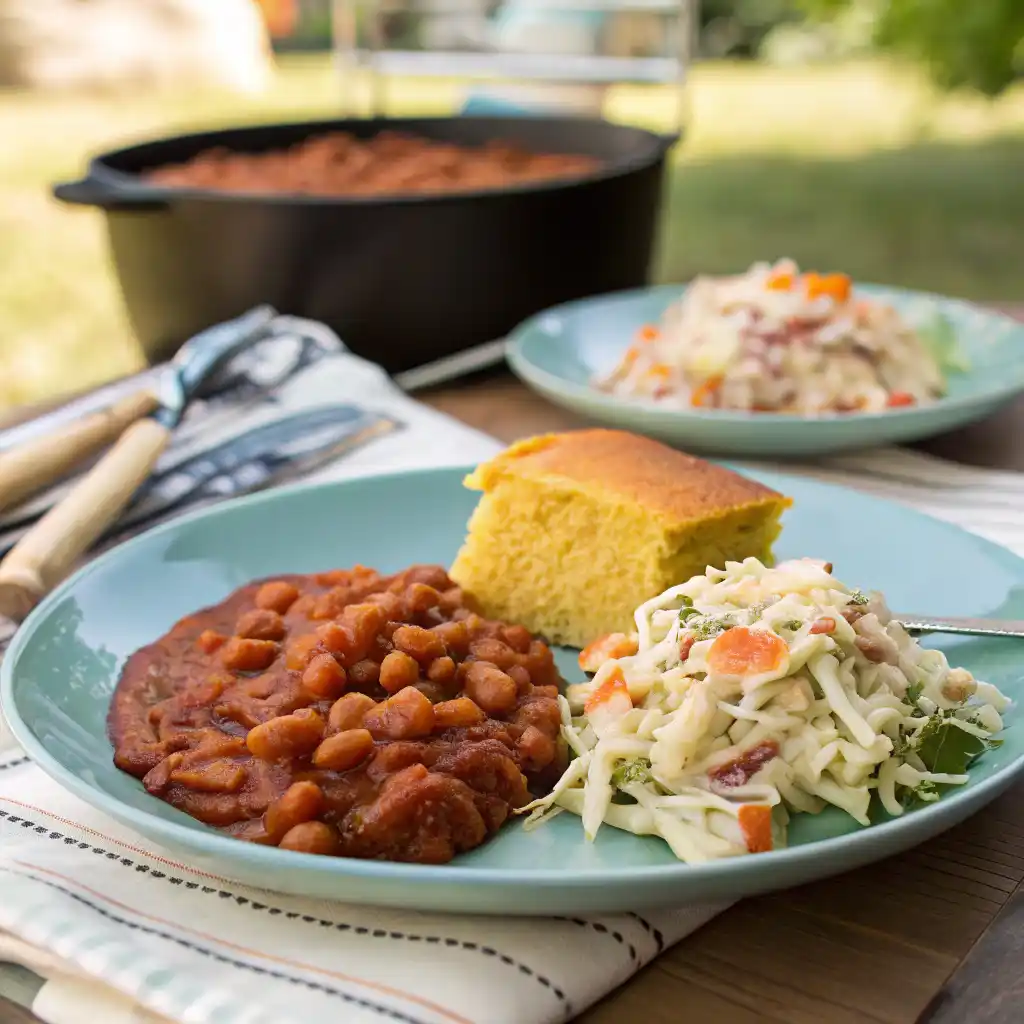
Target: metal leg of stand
(360, 58)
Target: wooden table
(935, 936)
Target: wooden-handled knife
(50, 549)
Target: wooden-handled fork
(50, 549)
(32, 466)
(45, 555)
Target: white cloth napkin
(125, 932)
(116, 922)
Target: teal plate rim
(529, 370)
(943, 813)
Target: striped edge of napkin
(113, 920)
(88, 901)
(123, 930)
(987, 502)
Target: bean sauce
(344, 713)
(340, 164)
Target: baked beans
(391, 163)
(403, 727)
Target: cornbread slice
(575, 530)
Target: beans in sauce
(390, 163)
(403, 726)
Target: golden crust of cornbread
(677, 489)
(574, 531)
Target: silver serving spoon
(920, 626)
(50, 549)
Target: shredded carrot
(812, 283)
(841, 286)
(647, 333)
(659, 370)
(742, 651)
(826, 624)
(780, 281)
(604, 648)
(899, 399)
(836, 286)
(756, 824)
(614, 685)
(705, 390)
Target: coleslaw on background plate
(774, 339)
(750, 693)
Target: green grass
(855, 167)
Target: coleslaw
(750, 693)
(776, 340)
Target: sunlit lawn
(856, 167)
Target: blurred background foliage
(961, 44)
(881, 137)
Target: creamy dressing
(756, 692)
(775, 340)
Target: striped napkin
(126, 932)
(117, 923)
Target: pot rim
(130, 187)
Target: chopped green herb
(708, 627)
(975, 719)
(914, 692)
(926, 792)
(792, 624)
(945, 748)
(902, 745)
(637, 770)
(755, 611)
(687, 613)
(858, 597)
(940, 339)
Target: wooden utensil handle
(44, 556)
(32, 466)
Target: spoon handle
(36, 464)
(965, 627)
(50, 549)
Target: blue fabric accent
(511, 17)
(495, 106)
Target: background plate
(57, 678)
(558, 353)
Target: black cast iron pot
(403, 280)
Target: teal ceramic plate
(62, 666)
(559, 352)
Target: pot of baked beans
(412, 238)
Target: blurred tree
(972, 44)
(736, 28)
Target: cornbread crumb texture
(614, 464)
(575, 530)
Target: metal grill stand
(557, 54)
